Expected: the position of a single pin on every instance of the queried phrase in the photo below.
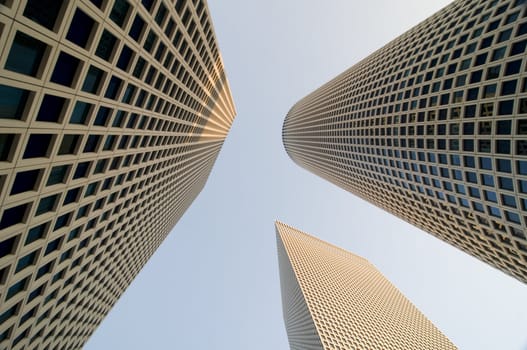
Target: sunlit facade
(333, 299)
(433, 129)
(112, 113)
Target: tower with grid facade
(112, 114)
(333, 299)
(433, 129)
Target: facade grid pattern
(347, 302)
(433, 128)
(112, 113)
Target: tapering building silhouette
(433, 129)
(112, 114)
(333, 299)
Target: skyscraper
(112, 114)
(433, 129)
(333, 299)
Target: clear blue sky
(214, 282)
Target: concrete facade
(112, 113)
(433, 129)
(333, 299)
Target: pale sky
(214, 283)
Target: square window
(71, 196)
(489, 91)
(52, 246)
(485, 163)
(508, 87)
(518, 47)
(109, 143)
(102, 116)
(65, 69)
(480, 59)
(25, 55)
(13, 216)
(80, 113)
(503, 127)
(513, 67)
(150, 41)
(61, 222)
(124, 58)
(129, 93)
(69, 144)
(113, 88)
(139, 67)
(57, 175)
(472, 94)
(506, 107)
(16, 288)
(119, 12)
(36, 233)
(46, 204)
(488, 180)
(26, 181)
(484, 146)
(498, 53)
(504, 165)
(470, 111)
(80, 28)
(137, 28)
(475, 77)
(82, 170)
(468, 128)
(503, 146)
(8, 246)
(13, 102)
(92, 143)
(106, 44)
(506, 183)
(493, 72)
(51, 109)
(504, 35)
(26, 261)
(93, 80)
(38, 145)
(43, 12)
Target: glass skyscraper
(432, 128)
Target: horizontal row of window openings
(511, 215)
(15, 103)
(27, 53)
(468, 180)
(31, 180)
(41, 145)
(137, 30)
(10, 245)
(439, 32)
(485, 127)
(46, 13)
(352, 122)
(504, 147)
(393, 63)
(453, 67)
(81, 30)
(370, 97)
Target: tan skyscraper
(333, 299)
(112, 113)
(433, 129)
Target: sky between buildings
(214, 283)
